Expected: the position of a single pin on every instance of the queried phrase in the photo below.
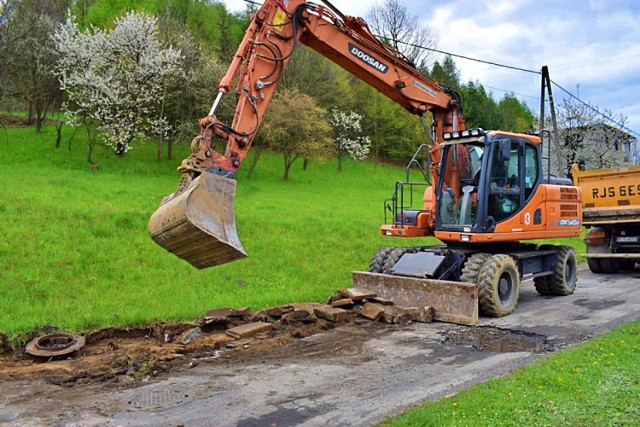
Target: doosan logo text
(367, 59)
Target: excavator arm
(196, 222)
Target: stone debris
(381, 301)
(305, 306)
(421, 314)
(332, 314)
(357, 294)
(372, 311)
(189, 335)
(394, 315)
(299, 316)
(249, 329)
(342, 303)
(278, 311)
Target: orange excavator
(488, 191)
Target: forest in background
(205, 35)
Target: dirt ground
(141, 352)
(353, 372)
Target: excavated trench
(147, 352)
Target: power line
(496, 64)
(461, 56)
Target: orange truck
(611, 211)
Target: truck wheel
(472, 265)
(564, 277)
(609, 265)
(498, 286)
(594, 265)
(627, 264)
(393, 257)
(379, 258)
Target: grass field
(74, 249)
(75, 254)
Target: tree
(479, 107)
(295, 126)
(27, 53)
(347, 136)
(402, 31)
(587, 140)
(447, 73)
(516, 116)
(311, 73)
(115, 79)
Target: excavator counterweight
(198, 224)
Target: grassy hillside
(74, 249)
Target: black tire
(627, 264)
(379, 258)
(609, 265)
(472, 265)
(542, 283)
(565, 272)
(498, 286)
(594, 265)
(393, 257)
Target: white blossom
(347, 129)
(115, 78)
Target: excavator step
(198, 225)
(453, 302)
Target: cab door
(505, 182)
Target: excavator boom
(196, 223)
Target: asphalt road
(353, 375)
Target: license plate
(628, 239)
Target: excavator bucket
(452, 302)
(198, 224)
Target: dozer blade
(198, 224)
(452, 302)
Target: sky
(592, 47)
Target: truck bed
(609, 196)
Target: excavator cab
(485, 179)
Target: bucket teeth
(198, 224)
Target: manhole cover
(55, 345)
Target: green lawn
(74, 249)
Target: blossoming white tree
(114, 80)
(348, 141)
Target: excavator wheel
(379, 258)
(393, 258)
(472, 265)
(564, 277)
(542, 283)
(498, 286)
